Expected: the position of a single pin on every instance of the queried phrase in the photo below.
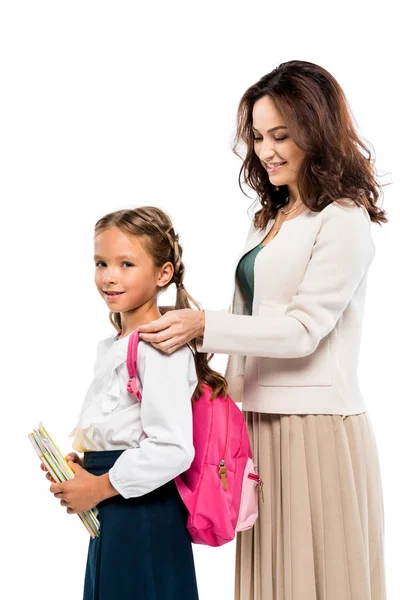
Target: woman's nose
(267, 152)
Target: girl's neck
(132, 319)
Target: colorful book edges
(52, 457)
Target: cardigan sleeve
(341, 256)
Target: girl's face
(278, 153)
(125, 274)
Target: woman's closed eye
(277, 139)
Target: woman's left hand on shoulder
(84, 491)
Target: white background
(107, 105)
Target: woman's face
(278, 153)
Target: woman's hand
(174, 329)
(84, 491)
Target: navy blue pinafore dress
(143, 551)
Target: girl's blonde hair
(162, 243)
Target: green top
(245, 275)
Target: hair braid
(162, 243)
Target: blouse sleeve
(168, 383)
(341, 256)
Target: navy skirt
(143, 551)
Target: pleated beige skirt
(319, 535)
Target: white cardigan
(298, 352)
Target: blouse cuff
(118, 485)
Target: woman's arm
(341, 255)
(340, 258)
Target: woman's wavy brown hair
(155, 230)
(336, 164)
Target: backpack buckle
(133, 389)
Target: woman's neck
(294, 197)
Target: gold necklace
(298, 203)
(281, 211)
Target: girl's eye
(128, 264)
(99, 263)
(257, 139)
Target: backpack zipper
(222, 466)
(222, 474)
(260, 482)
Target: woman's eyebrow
(273, 128)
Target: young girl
(132, 450)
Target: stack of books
(51, 456)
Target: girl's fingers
(74, 458)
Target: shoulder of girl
(105, 342)
(108, 341)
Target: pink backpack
(220, 488)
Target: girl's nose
(109, 276)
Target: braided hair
(158, 236)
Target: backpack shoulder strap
(131, 361)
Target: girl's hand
(44, 468)
(84, 491)
(74, 458)
(71, 456)
(174, 329)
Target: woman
(293, 336)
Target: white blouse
(157, 434)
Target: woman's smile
(273, 167)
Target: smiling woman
(276, 150)
(298, 114)
(293, 336)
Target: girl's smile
(110, 296)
